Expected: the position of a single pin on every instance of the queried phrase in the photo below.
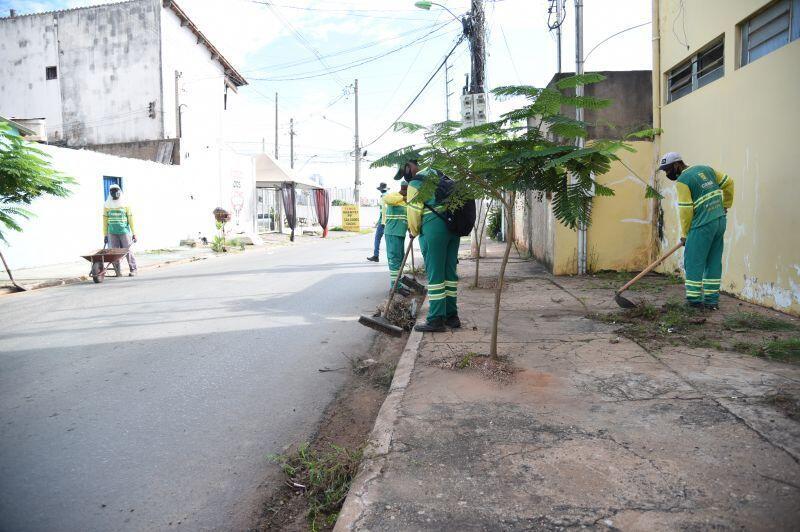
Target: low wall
(169, 203)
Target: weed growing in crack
(323, 477)
(465, 361)
(783, 350)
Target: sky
(392, 48)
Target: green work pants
(702, 261)
(395, 250)
(440, 250)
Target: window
(770, 29)
(51, 72)
(699, 70)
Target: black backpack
(459, 221)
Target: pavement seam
(380, 438)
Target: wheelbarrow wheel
(98, 272)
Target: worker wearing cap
(395, 223)
(704, 197)
(379, 228)
(118, 229)
(439, 248)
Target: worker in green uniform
(439, 248)
(395, 224)
(704, 197)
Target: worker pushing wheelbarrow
(118, 236)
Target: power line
(352, 64)
(376, 139)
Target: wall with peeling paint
(743, 124)
(107, 60)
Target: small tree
(501, 158)
(25, 174)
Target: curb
(380, 438)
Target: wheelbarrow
(102, 260)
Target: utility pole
(447, 92)
(357, 152)
(477, 46)
(582, 247)
(291, 143)
(178, 75)
(559, 20)
(276, 126)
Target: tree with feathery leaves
(25, 174)
(530, 148)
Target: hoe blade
(381, 324)
(623, 302)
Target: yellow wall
(620, 235)
(746, 125)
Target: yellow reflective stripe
(436, 297)
(437, 286)
(693, 292)
(711, 280)
(707, 197)
(724, 180)
(693, 283)
(451, 283)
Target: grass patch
(782, 350)
(742, 321)
(465, 361)
(323, 477)
(336, 228)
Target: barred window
(699, 70)
(770, 29)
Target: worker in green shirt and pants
(395, 228)
(439, 248)
(704, 197)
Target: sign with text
(350, 220)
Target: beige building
(726, 92)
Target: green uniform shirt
(706, 196)
(418, 214)
(395, 220)
(117, 220)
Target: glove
(134, 239)
(105, 239)
(683, 240)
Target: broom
(380, 323)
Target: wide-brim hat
(382, 187)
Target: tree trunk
(480, 230)
(8, 270)
(509, 207)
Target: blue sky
(272, 46)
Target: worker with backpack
(440, 232)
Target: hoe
(381, 323)
(627, 303)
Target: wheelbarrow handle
(651, 267)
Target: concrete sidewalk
(580, 427)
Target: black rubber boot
(454, 322)
(373, 258)
(403, 291)
(437, 325)
(695, 306)
(711, 306)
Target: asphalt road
(151, 403)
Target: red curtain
(322, 205)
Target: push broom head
(381, 324)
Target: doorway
(267, 210)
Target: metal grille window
(768, 30)
(700, 70)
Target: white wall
(167, 202)
(108, 71)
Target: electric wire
(413, 101)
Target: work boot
(117, 272)
(454, 322)
(695, 305)
(133, 273)
(373, 258)
(711, 306)
(436, 325)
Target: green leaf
(578, 80)
(408, 127)
(651, 193)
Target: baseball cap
(668, 159)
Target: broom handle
(651, 267)
(397, 281)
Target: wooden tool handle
(651, 267)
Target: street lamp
(427, 7)
(305, 163)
